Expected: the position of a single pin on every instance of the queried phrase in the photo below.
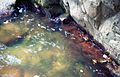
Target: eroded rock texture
(101, 18)
(110, 35)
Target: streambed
(39, 53)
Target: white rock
(4, 5)
(36, 76)
(109, 35)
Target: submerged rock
(11, 31)
(2, 46)
(44, 52)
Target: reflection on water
(41, 53)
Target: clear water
(40, 53)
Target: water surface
(33, 50)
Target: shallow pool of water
(33, 50)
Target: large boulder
(93, 11)
(109, 35)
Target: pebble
(36, 76)
(2, 47)
(81, 71)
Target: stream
(30, 48)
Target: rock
(110, 36)
(78, 7)
(11, 31)
(101, 18)
(2, 46)
(73, 7)
(112, 4)
(55, 7)
(84, 12)
(49, 2)
(93, 12)
(115, 71)
(5, 6)
(91, 7)
(109, 8)
(6, 9)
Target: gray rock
(75, 10)
(110, 36)
(5, 6)
(94, 11)
(109, 8)
(112, 4)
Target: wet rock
(112, 4)
(2, 46)
(5, 6)
(15, 71)
(109, 8)
(92, 13)
(85, 12)
(110, 36)
(74, 6)
(10, 32)
(55, 7)
(115, 71)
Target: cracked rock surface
(110, 36)
(101, 18)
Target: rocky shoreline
(92, 15)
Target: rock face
(94, 11)
(99, 17)
(110, 35)
(55, 7)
